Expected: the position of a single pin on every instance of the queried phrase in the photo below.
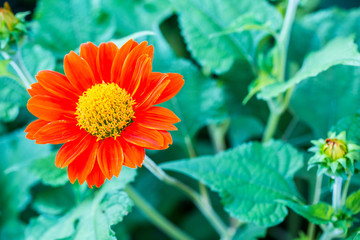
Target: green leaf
(94, 216)
(353, 202)
(263, 80)
(350, 124)
(354, 236)
(47, 172)
(54, 201)
(4, 72)
(315, 30)
(249, 178)
(62, 26)
(323, 100)
(200, 101)
(199, 20)
(16, 153)
(341, 50)
(140, 15)
(12, 96)
(248, 22)
(116, 206)
(36, 58)
(123, 40)
(320, 213)
(339, 22)
(249, 232)
(244, 128)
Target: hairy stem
(19, 69)
(155, 217)
(283, 44)
(204, 206)
(192, 154)
(336, 197)
(345, 190)
(271, 125)
(217, 134)
(330, 231)
(316, 199)
(18, 58)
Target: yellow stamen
(104, 110)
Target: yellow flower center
(104, 110)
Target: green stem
(345, 190)
(192, 154)
(204, 206)
(316, 199)
(217, 134)
(284, 36)
(271, 125)
(283, 44)
(330, 232)
(336, 198)
(155, 217)
(290, 128)
(18, 58)
(18, 69)
(190, 146)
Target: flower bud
(334, 156)
(12, 28)
(334, 148)
(7, 18)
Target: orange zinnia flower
(102, 109)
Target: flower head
(334, 155)
(103, 110)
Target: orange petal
(157, 118)
(33, 127)
(130, 63)
(133, 155)
(51, 108)
(153, 79)
(96, 177)
(89, 51)
(69, 151)
(176, 83)
(104, 60)
(110, 157)
(167, 140)
(58, 132)
(143, 137)
(57, 84)
(140, 75)
(153, 95)
(83, 164)
(120, 58)
(37, 89)
(78, 71)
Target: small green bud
(334, 156)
